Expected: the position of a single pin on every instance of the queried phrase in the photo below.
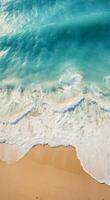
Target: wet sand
(47, 173)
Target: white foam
(107, 81)
(3, 53)
(10, 81)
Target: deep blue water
(43, 38)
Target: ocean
(55, 78)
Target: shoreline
(47, 173)
(79, 121)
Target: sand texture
(47, 173)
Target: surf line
(70, 108)
(18, 119)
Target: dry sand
(47, 173)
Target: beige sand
(47, 173)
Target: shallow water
(55, 77)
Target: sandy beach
(47, 173)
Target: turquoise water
(41, 39)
